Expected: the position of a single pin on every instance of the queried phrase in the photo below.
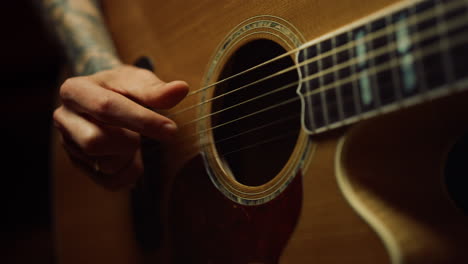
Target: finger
(107, 164)
(111, 174)
(125, 178)
(114, 171)
(111, 165)
(86, 96)
(114, 166)
(93, 139)
(142, 86)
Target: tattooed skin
(82, 31)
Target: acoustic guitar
(314, 132)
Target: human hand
(103, 115)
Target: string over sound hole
(257, 118)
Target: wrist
(95, 61)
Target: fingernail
(169, 128)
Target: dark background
(30, 63)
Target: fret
(366, 98)
(330, 96)
(424, 6)
(349, 104)
(421, 85)
(331, 99)
(339, 114)
(317, 108)
(453, 12)
(323, 64)
(380, 41)
(371, 28)
(397, 94)
(315, 101)
(354, 82)
(427, 24)
(383, 80)
(307, 70)
(326, 46)
(405, 53)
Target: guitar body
(372, 192)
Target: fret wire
(371, 64)
(321, 83)
(422, 84)
(309, 99)
(392, 55)
(404, 53)
(337, 90)
(353, 72)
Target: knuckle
(102, 105)
(147, 124)
(68, 87)
(91, 141)
(145, 75)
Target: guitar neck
(402, 57)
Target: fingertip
(180, 89)
(167, 131)
(178, 83)
(171, 94)
(169, 128)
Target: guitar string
(260, 65)
(262, 142)
(370, 55)
(279, 57)
(286, 134)
(270, 124)
(427, 51)
(276, 122)
(290, 133)
(375, 53)
(431, 13)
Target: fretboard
(407, 55)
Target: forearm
(81, 29)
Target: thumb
(165, 95)
(142, 86)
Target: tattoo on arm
(82, 31)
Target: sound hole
(456, 172)
(256, 129)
